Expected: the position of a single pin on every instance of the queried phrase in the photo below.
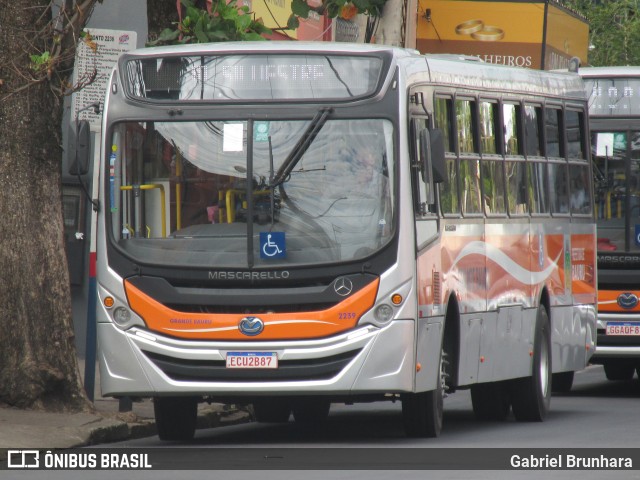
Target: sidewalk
(38, 429)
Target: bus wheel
(176, 417)
(311, 410)
(531, 396)
(422, 412)
(490, 401)
(562, 382)
(618, 370)
(272, 410)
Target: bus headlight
(383, 313)
(122, 316)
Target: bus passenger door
(427, 159)
(425, 150)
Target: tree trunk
(38, 364)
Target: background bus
(614, 109)
(291, 225)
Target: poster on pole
(108, 44)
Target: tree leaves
(614, 30)
(226, 22)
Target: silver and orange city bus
(614, 119)
(292, 225)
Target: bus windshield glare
(245, 193)
(252, 77)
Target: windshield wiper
(301, 147)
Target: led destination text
(267, 72)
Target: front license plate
(252, 360)
(623, 328)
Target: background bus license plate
(623, 328)
(252, 360)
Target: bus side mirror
(432, 153)
(79, 164)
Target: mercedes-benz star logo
(250, 326)
(343, 286)
(628, 300)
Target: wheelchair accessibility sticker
(272, 245)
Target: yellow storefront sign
(509, 33)
(274, 15)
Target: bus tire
(272, 410)
(490, 401)
(562, 382)
(176, 417)
(618, 370)
(531, 396)
(422, 412)
(311, 410)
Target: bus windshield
(616, 157)
(251, 193)
(615, 149)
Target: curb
(132, 428)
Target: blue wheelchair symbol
(272, 245)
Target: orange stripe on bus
(608, 301)
(278, 326)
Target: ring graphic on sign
(469, 27)
(488, 34)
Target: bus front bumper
(138, 362)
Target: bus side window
(538, 187)
(465, 123)
(470, 165)
(553, 145)
(493, 190)
(578, 181)
(515, 166)
(511, 124)
(558, 188)
(443, 111)
(488, 127)
(516, 187)
(532, 129)
(575, 141)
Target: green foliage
(334, 8)
(41, 61)
(614, 30)
(226, 22)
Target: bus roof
(275, 46)
(443, 69)
(462, 71)
(599, 72)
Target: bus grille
(215, 370)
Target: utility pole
(398, 24)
